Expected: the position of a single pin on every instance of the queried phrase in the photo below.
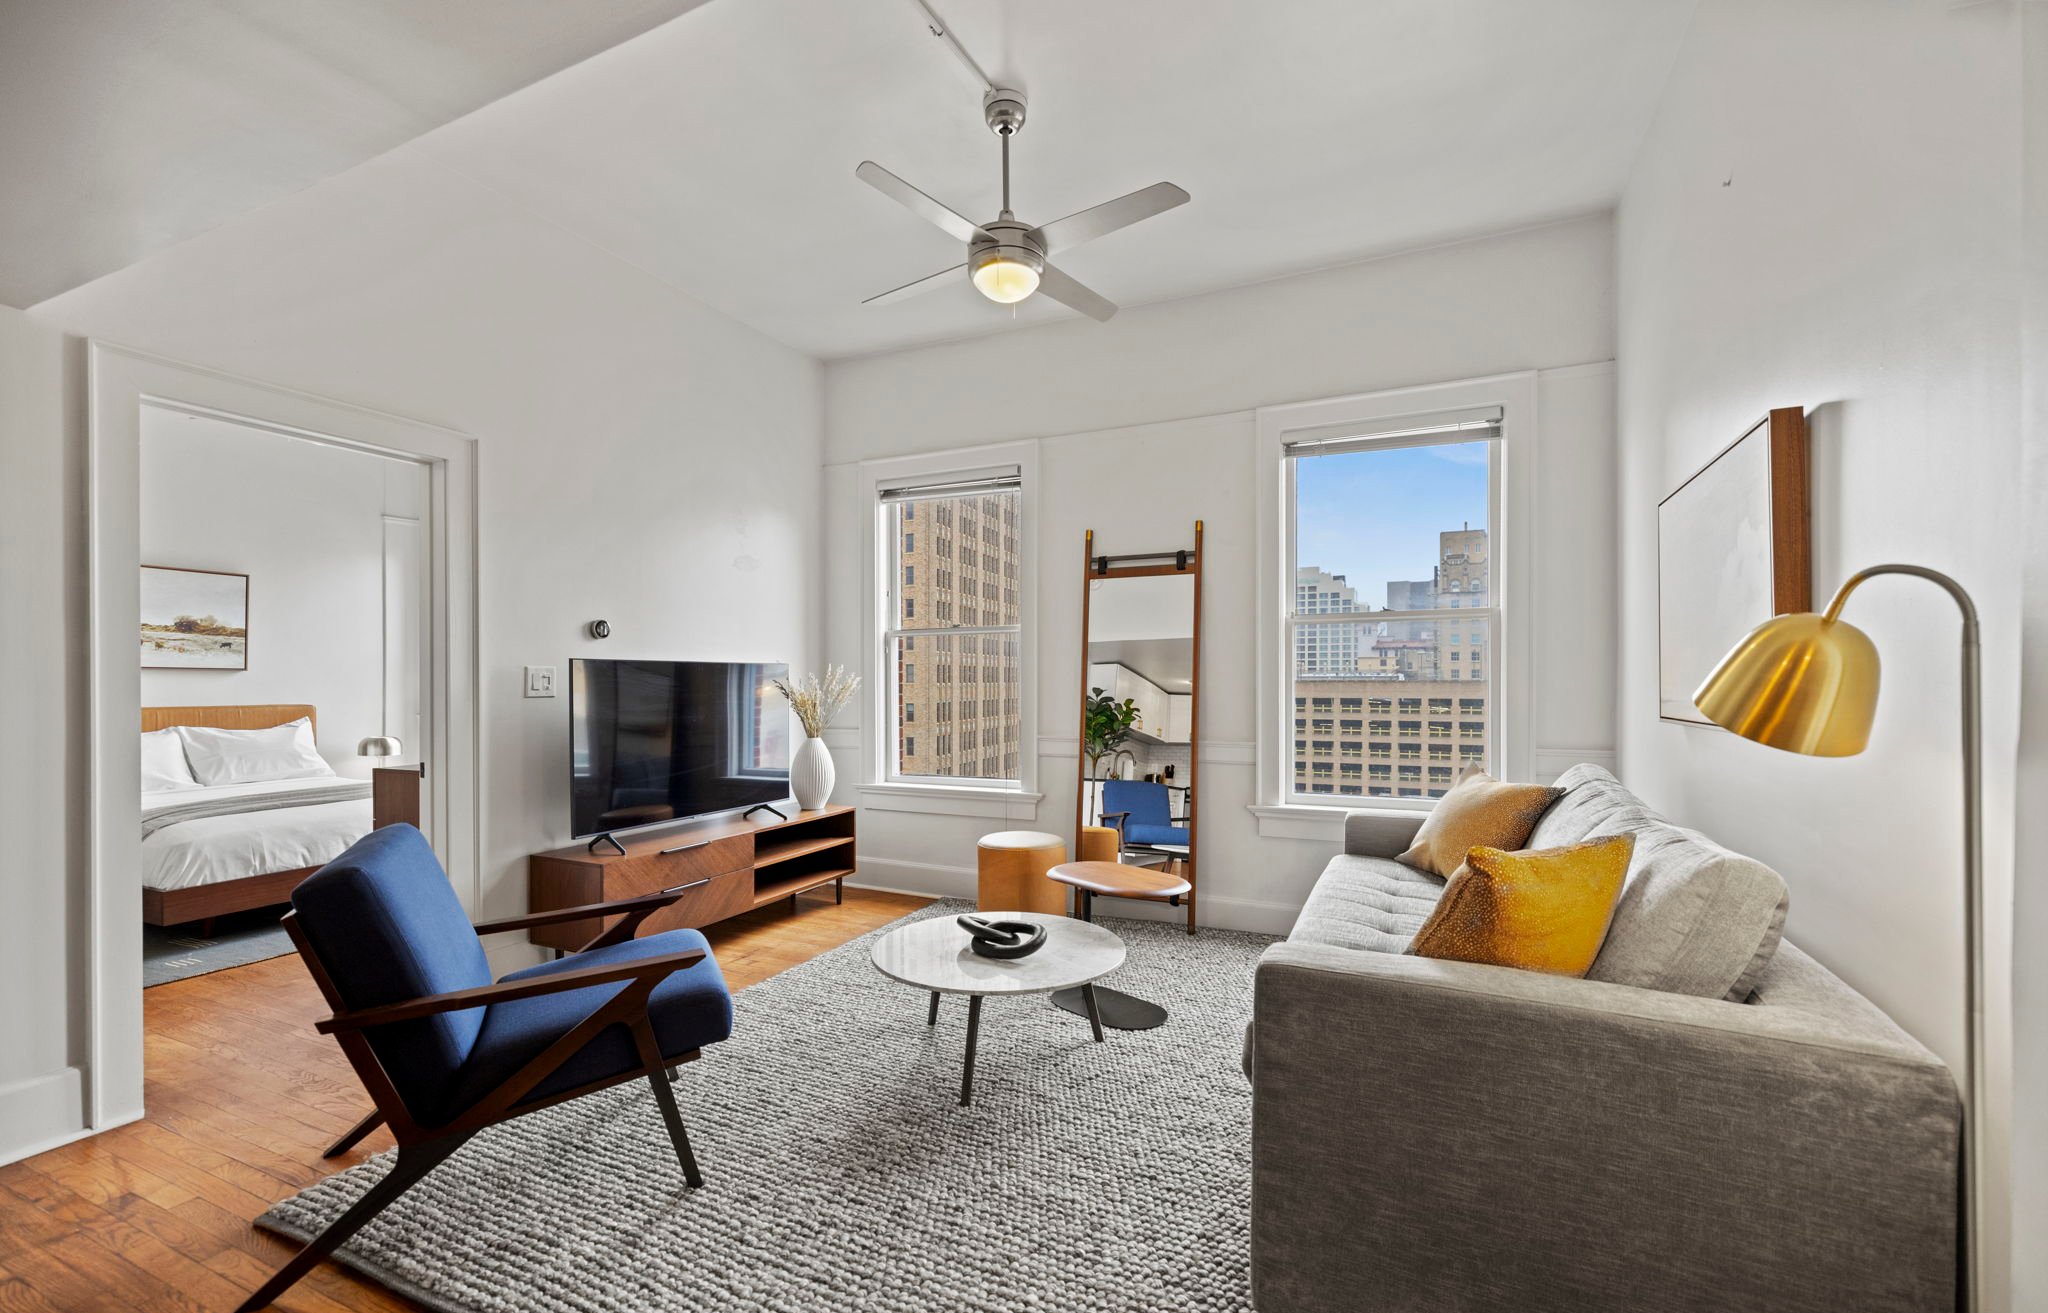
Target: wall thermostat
(600, 629)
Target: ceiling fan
(1006, 258)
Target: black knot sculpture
(1002, 939)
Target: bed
(209, 850)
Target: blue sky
(1372, 516)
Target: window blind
(1005, 479)
(1475, 425)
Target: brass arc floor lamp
(1807, 683)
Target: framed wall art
(1734, 548)
(194, 619)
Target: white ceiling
(129, 125)
(717, 152)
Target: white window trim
(947, 797)
(1281, 814)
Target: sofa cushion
(1367, 902)
(1694, 918)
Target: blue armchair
(1141, 812)
(444, 1052)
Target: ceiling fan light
(1004, 278)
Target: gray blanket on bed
(172, 813)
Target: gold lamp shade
(1804, 682)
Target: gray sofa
(1433, 1135)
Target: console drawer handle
(683, 848)
(692, 885)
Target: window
(956, 615)
(1390, 566)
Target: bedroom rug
(177, 953)
(841, 1172)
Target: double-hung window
(1391, 532)
(1386, 580)
(952, 633)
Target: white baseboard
(41, 1113)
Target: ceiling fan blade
(1087, 225)
(915, 201)
(1073, 295)
(908, 290)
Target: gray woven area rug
(841, 1172)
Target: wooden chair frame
(422, 1148)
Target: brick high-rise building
(1412, 710)
(959, 706)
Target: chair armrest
(642, 905)
(1799, 1155)
(1115, 819)
(506, 991)
(1380, 833)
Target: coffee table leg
(1094, 1014)
(973, 1031)
(933, 1019)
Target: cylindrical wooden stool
(1098, 844)
(1013, 864)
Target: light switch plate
(540, 681)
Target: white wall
(1825, 213)
(42, 713)
(2030, 894)
(641, 458)
(1145, 424)
(305, 522)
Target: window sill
(952, 800)
(1322, 822)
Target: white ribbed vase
(811, 774)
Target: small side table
(1092, 880)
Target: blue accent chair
(444, 1052)
(1141, 812)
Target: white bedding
(211, 849)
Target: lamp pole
(1973, 906)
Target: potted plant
(1107, 723)
(816, 700)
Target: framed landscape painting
(194, 619)
(1733, 550)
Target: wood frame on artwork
(1789, 536)
(222, 574)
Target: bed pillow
(163, 762)
(251, 756)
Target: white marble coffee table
(932, 955)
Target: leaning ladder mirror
(1141, 670)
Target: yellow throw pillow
(1539, 911)
(1478, 811)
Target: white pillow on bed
(163, 762)
(250, 756)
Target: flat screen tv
(654, 741)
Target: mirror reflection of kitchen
(1141, 695)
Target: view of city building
(958, 706)
(1388, 707)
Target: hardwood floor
(241, 1097)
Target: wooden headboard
(259, 715)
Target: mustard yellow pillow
(1541, 911)
(1477, 811)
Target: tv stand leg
(776, 812)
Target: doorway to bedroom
(284, 651)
